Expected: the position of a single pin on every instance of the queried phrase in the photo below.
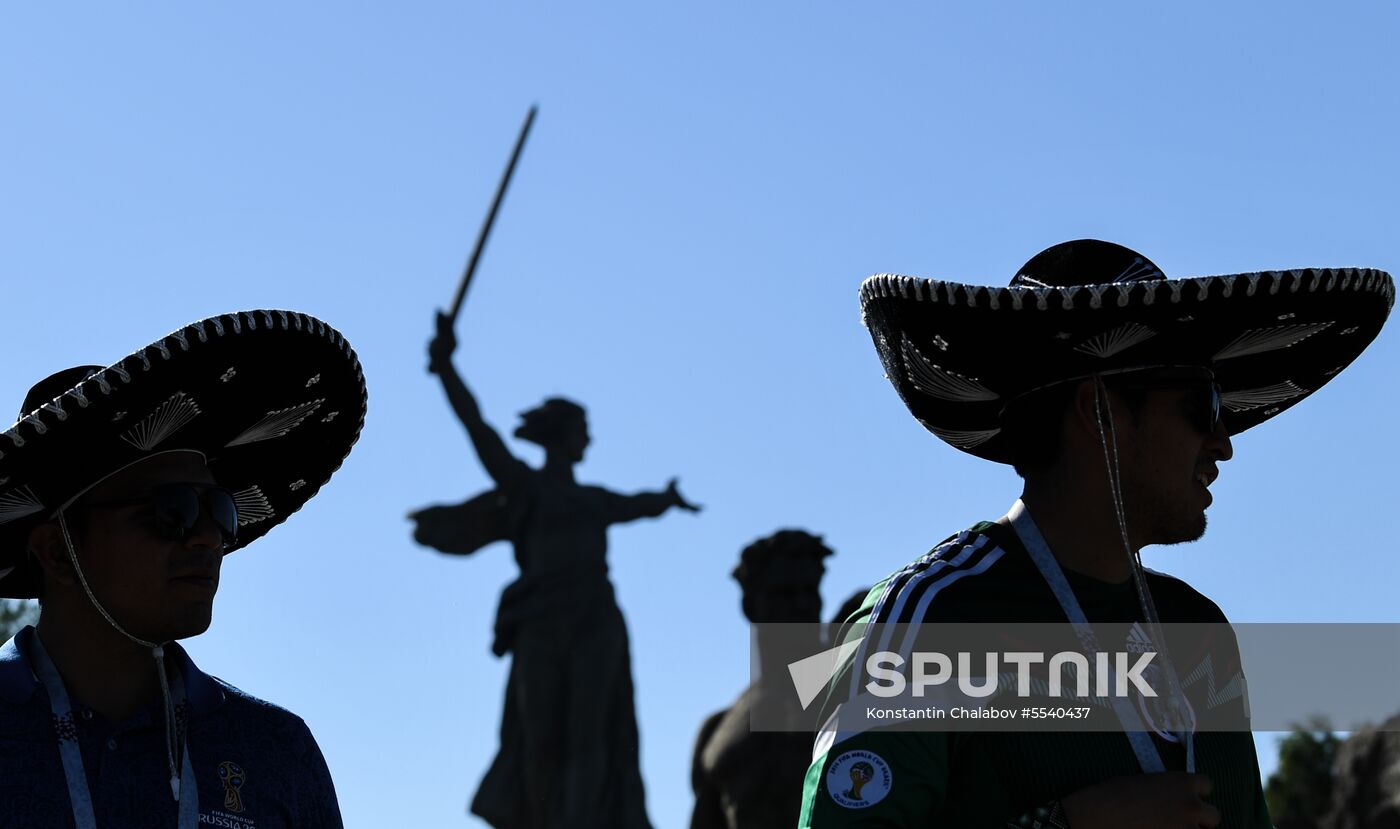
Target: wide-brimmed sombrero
(960, 354)
(273, 399)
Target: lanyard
(71, 753)
(1147, 755)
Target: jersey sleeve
(316, 805)
(877, 778)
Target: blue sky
(705, 188)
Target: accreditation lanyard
(1147, 755)
(72, 755)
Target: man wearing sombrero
(1114, 392)
(121, 490)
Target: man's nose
(206, 532)
(1219, 444)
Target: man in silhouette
(122, 489)
(1114, 392)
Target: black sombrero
(959, 354)
(273, 399)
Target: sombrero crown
(958, 354)
(273, 399)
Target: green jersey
(967, 780)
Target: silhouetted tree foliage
(1302, 786)
(15, 614)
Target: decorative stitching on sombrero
(1119, 339)
(155, 427)
(19, 503)
(937, 382)
(963, 438)
(1246, 399)
(277, 423)
(1140, 269)
(1259, 340)
(253, 506)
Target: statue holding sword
(569, 745)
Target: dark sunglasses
(176, 509)
(1202, 403)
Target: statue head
(781, 577)
(557, 425)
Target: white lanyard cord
(1146, 752)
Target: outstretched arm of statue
(624, 508)
(503, 467)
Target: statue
(568, 755)
(746, 779)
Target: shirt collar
(18, 682)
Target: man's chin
(192, 624)
(1185, 533)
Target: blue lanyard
(1147, 755)
(71, 753)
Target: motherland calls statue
(568, 755)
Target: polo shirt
(256, 765)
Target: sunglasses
(176, 508)
(1201, 405)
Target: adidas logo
(1139, 641)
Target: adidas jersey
(900, 778)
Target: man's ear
(47, 546)
(1084, 411)
(1090, 408)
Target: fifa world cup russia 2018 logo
(858, 779)
(231, 775)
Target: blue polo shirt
(256, 765)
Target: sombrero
(273, 399)
(959, 354)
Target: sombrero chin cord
(1108, 438)
(173, 745)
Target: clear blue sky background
(706, 186)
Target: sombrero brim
(958, 354)
(274, 400)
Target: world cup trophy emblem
(231, 774)
(860, 775)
